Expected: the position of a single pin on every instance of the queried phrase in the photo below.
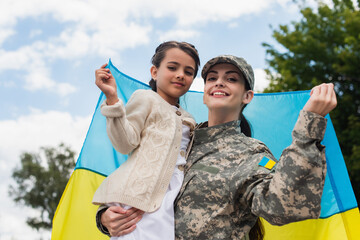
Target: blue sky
(49, 51)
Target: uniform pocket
(209, 169)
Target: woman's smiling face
(225, 88)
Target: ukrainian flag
(272, 117)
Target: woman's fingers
(322, 99)
(127, 231)
(119, 221)
(126, 225)
(118, 209)
(134, 212)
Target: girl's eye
(189, 73)
(171, 68)
(211, 79)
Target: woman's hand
(106, 82)
(119, 221)
(322, 99)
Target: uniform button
(182, 153)
(178, 113)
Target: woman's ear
(153, 72)
(248, 96)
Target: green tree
(324, 46)
(41, 180)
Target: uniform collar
(204, 134)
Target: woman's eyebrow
(232, 71)
(213, 71)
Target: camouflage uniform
(225, 189)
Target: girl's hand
(322, 99)
(119, 221)
(106, 82)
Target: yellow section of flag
(339, 226)
(75, 214)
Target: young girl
(155, 131)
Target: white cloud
(89, 30)
(28, 133)
(104, 29)
(117, 25)
(5, 33)
(180, 35)
(39, 79)
(30, 60)
(261, 81)
(233, 25)
(7, 83)
(65, 89)
(35, 33)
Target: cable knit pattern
(148, 129)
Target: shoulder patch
(267, 163)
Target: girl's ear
(153, 72)
(248, 96)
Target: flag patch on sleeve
(267, 163)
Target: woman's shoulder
(251, 142)
(257, 147)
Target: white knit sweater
(149, 129)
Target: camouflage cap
(238, 62)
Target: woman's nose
(219, 83)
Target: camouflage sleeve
(292, 191)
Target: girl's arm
(125, 124)
(293, 191)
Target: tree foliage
(324, 46)
(41, 180)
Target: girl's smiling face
(175, 75)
